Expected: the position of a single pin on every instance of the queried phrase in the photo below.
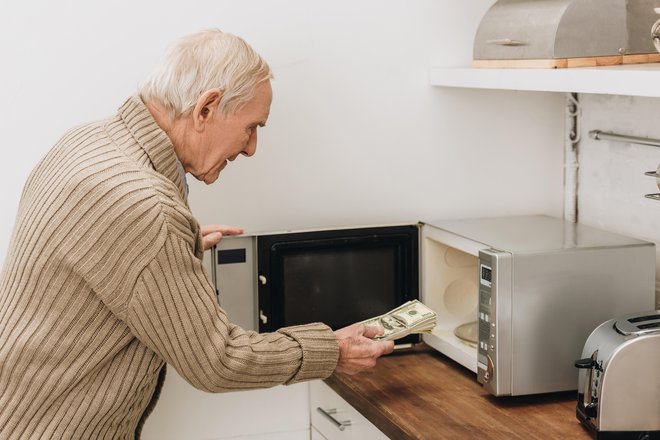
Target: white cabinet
(317, 435)
(288, 435)
(186, 413)
(334, 419)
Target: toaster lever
(591, 410)
(587, 363)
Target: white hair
(203, 61)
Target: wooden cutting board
(562, 63)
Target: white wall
(356, 134)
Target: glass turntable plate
(468, 333)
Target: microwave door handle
(214, 270)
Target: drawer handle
(328, 414)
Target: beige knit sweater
(103, 283)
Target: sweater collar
(153, 140)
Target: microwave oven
(516, 297)
(334, 276)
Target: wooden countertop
(422, 394)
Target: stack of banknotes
(408, 318)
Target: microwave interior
(450, 288)
(338, 277)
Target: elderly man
(103, 282)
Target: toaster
(619, 379)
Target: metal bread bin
(619, 383)
(616, 31)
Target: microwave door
(450, 287)
(338, 276)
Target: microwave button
(487, 317)
(481, 315)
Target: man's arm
(173, 310)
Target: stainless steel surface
(559, 298)
(552, 282)
(552, 29)
(627, 390)
(599, 135)
(495, 332)
(528, 234)
(656, 174)
(655, 35)
(237, 282)
(640, 18)
(590, 385)
(638, 324)
(329, 414)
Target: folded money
(410, 317)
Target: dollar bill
(410, 317)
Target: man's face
(227, 136)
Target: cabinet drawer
(335, 419)
(317, 435)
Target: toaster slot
(638, 324)
(644, 318)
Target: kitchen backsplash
(612, 183)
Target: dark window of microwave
(336, 277)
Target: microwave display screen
(339, 286)
(486, 274)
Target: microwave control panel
(494, 350)
(487, 341)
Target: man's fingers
(223, 229)
(388, 347)
(363, 348)
(211, 240)
(371, 331)
(358, 351)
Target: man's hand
(212, 234)
(357, 351)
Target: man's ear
(207, 105)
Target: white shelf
(633, 80)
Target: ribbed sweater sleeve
(173, 311)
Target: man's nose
(251, 146)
